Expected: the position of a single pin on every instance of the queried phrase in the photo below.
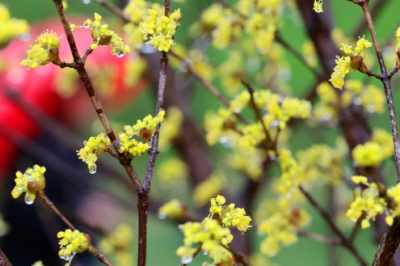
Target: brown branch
(391, 239)
(99, 255)
(343, 240)
(113, 9)
(143, 195)
(319, 238)
(206, 84)
(237, 256)
(386, 85)
(80, 68)
(4, 260)
(258, 114)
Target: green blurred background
(165, 237)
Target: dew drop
(357, 101)
(162, 216)
(223, 140)
(275, 123)
(119, 55)
(86, 1)
(28, 199)
(186, 260)
(92, 170)
(86, 26)
(205, 252)
(371, 109)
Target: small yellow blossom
(30, 182)
(211, 235)
(93, 147)
(44, 52)
(159, 30)
(368, 154)
(103, 36)
(10, 27)
(173, 209)
(72, 242)
(343, 65)
(118, 244)
(209, 188)
(144, 129)
(318, 6)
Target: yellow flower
(30, 182)
(44, 52)
(159, 30)
(368, 154)
(72, 242)
(318, 6)
(93, 147)
(144, 129)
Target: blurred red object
(58, 93)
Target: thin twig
(206, 84)
(278, 38)
(257, 112)
(386, 84)
(194, 255)
(238, 257)
(80, 68)
(99, 255)
(319, 238)
(343, 240)
(4, 260)
(143, 195)
(114, 9)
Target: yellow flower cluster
(72, 242)
(323, 163)
(30, 182)
(344, 64)
(103, 36)
(144, 129)
(281, 229)
(318, 6)
(229, 215)
(173, 209)
(248, 163)
(197, 59)
(10, 27)
(93, 147)
(136, 11)
(397, 40)
(369, 202)
(171, 127)
(369, 97)
(210, 235)
(118, 244)
(44, 52)
(172, 172)
(226, 25)
(159, 29)
(278, 111)
(209, 188)
(368, 154)
(385, 141)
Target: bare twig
(99, 255)
(257, 111)
(4, 260)
(80, 68)
(343, 240)
(319, 238)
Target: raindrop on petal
(186, 260)
(86, 1)
(28, 199)
(162, 216)
(92, 169)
